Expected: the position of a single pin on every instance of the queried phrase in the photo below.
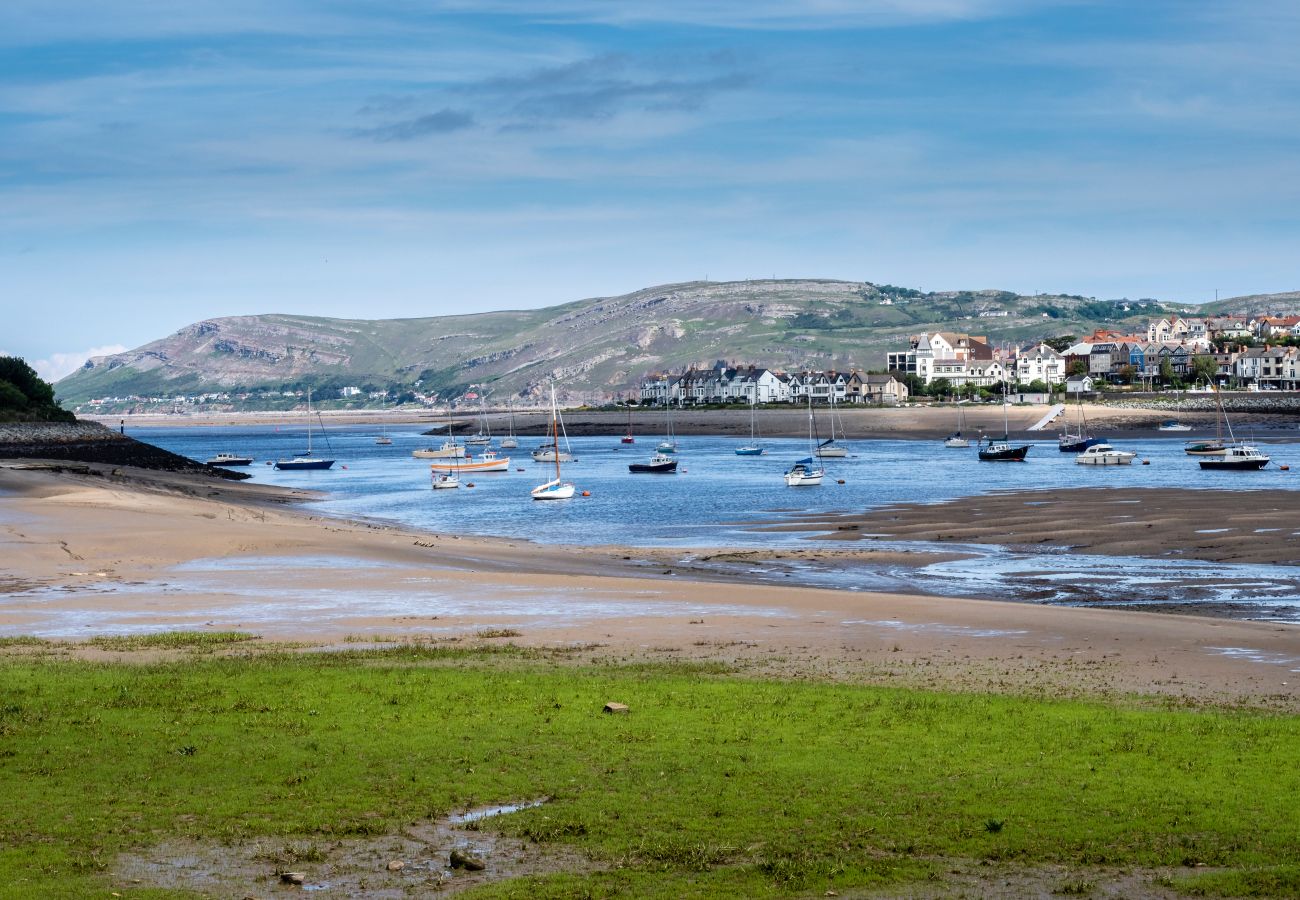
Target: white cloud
(63, 364)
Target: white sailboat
(752, 448)
(483, 436)
(828, 448)
(550, 451)
(955, 441)
(669, 443)
(443, 479)
(383, 439)
(556, 488)
(510, 442)
(806, 472)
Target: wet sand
(97, 554)
(904, 422)
(1261, 527)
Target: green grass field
(716, 784)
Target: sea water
(716, 498)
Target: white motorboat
(449, 450)
(445, 480)
(1173, 425)
(1105, 455)
(229, 459)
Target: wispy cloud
(444, 121)
(60, 365)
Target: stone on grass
(612, 707)
(464, 859)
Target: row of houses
(968, 359)
(754, 384)
(1199, 332)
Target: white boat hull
(831, 452)
(509, 443)
(444, 482)
(553, 490)
(957, 443)
(549, 456)
(1118, 458)
(486, 465)
(440, 453)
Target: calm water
(704, 504)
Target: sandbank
(109, 554)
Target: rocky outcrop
(88, 442)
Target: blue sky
(164, 163)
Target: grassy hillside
(594, 348)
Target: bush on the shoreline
(25, 396)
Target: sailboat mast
(309, 421)
(555, 433)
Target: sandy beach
(105, 553)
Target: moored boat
(805, 472)
(305, 461)
(660, 463)
(1003, 451)
(488, 462)
(1105, 455)
(1238, 457)
(1173, 425)
(229, 459)
(556, 488)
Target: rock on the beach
(463, 859)
(612, 707)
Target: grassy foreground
(713, 785)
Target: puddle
(936, 628)
(478, 815)
(414, 861)
(1213, 530)
(1260, 656)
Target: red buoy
(586, 493)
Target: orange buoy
(1284, 468)
(469, 484)
(839, 480)
(586, 493)
(1146, 462)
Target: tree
(1078, 367)
(1166, 371)
(1128, 373)
(25, 396)
(1204, 368)
(940, 387)
(1059, 344)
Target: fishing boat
(1239, 457)
(510, 441)
(806, 472)
(556, 488)
(229, 459)
(1079, 440)
(303, 461)
(752, 448)
(828, 448)
(449, 450)
(660, 463)
(1105, 455)
(1173, 425)
(1002, 451)
(487, 462)
(627, 438)
(1236, 455)
(955, 441)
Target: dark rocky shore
(90, 442)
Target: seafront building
(754, 384)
